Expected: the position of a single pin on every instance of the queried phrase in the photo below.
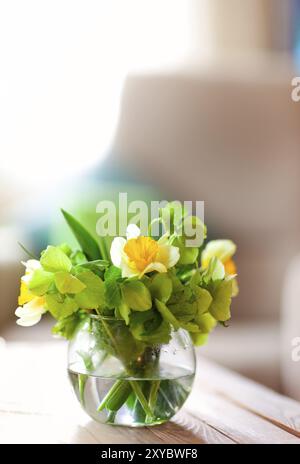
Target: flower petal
(29, 321)
(31, 265)
(19, 311)
(168, 255)
(159, 267)
(132, 231)
(222, 249)
(31, 312)
(116, 250)
(128, 271)
(25, 295)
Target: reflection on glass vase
(119, 380)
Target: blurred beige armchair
(231, 139)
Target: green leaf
(65, 248)
(53, 259)
(117, 340)
(124, 311)
(59, 307)
(112, 288)
(40, 282)
(195, 278)
(78, 257)
(112, 293)
(221, 292)
(67, 283)
(112, 273)
(93, 295)
(97, 264)
(176, 283)
(86, 241)
(67, 326)
(171, 319)
(149, 327)
(206, 322)
(167, 314)
(203, 299)
(161, 287)
(199, 338)
(136, 295)
(184, 312)
(188, 255)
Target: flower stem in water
(141, 397)
(152, 397)
(82, 378)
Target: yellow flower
(223, 250)
(25, 294)
(230, 267)
(31, 307)
(31, 312)
(139, 255)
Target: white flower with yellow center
(223, 250)
(137, 255)
(31, 307)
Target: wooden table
(37, 406)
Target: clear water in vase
(133, 402)
(123, 381)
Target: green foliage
(136, 295)
(96, 265)
(67, 283)
(199, 338)
(87, 243)
(124, 311)
(60, 307)
(53, 259)
(149, 327)
(183, 228)
(93, 295)
(40, 282)
(67, 326)
(206, 322)
(112, 293)
(79, 258)
(112, 273)
(161, 287)
(113, 337)
(133, 313)
(167, 314)
(187, 255)
(112, 287)
(65, 248)
(221, 292)
(184, 312)
(202, 299)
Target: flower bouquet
(132, 315)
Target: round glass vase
(121, 381)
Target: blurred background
(172, 99)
